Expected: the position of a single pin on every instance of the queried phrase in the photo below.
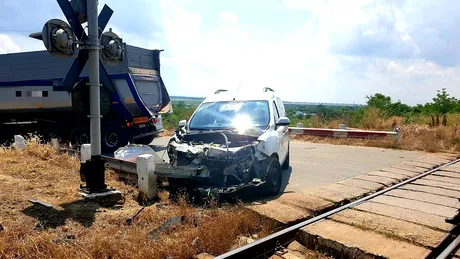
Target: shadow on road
(82, 212)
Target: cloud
(7, 45)
(228, 17)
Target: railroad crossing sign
(61, 39)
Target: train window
(45, 94)
(18, 93)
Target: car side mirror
(283, 121)
(182, 123)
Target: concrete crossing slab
(444, 185)
(443, 179)
(411, 168)
(427, 208)
(378, 179)
(452, 169)
(337, 192)
(306, 202)
(373, 186)
(399, 171)
(447, 174)
(425, 197)
(443, 155)
(431, 189)
(434, 160)
(280, 212)
(396, 176)
(419, 164)
(418, 217)
(352, 242)
(408, 231)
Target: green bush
(180, 112)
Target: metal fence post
(398, 135)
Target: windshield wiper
(201, 129)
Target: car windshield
(238, 115)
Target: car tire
(273, 179)
(112, 138)
(285, 165)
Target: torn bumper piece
(182, 172)
(228, 189)
(200, 176)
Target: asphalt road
(321, 164)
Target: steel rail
(447, 253)
(269, 243)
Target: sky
(306, 50)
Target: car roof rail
(220, 90)
(268, 89)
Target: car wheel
(274, 177)
(286, 162)
(112, 138)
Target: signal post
(60, 39)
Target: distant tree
(443, 103)
(398, 109)
(418, 108)
(379, 101)
(180, 104)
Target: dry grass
(79, 229)
(414, 137)
(167, 133)
(416, 134)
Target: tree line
(439, 108)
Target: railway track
(266, 246)
(450, 249)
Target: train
(32, 100)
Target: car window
(280, 106)
(230, 114)
(276, 112)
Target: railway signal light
(58, 38)
(112, 48)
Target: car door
(282, 131)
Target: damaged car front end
(221, 161)
(222, 148)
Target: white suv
(232, 140)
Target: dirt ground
(74, 228)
